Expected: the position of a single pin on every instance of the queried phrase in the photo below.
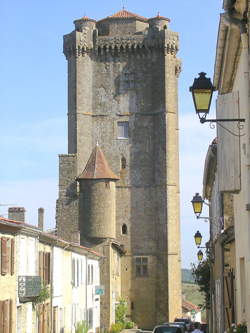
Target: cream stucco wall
(242, 215)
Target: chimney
(41, 218)
(16, 213)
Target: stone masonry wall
(130, 78)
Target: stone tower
(122, 92)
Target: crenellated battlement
(79, 43)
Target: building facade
(122, 94)
(45, 282)
(227, 185)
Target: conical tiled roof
(124, 14)
(85, 18)
(159, 18)
(97, 167)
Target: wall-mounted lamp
(197, 203)
(197, 238)
(202, 92)
(200, 255)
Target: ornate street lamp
(202, 92)
(198, 238)
(200, 255)
(197, 203)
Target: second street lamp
(200, 255)
(197, 238)
(197, 203)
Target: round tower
(97, 198)
(84, 22)
(159, 22)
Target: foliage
(129, 324)
(116, 328)
(120, 318)
(240, 328)
(202, 278)
(81, 327)
(43, 296)
(120, 311)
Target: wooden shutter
(12, 256)
(44, 268)
(6, 316)
(48, 273)
(228, 147)
(1, 316)
(40, 319)
(4, 256)
(41, 265)
(55, 319)
(10, 313)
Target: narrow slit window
(123, 163)
(124, 229)
(122, 129)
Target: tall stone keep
(122, 93)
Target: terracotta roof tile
(97, 167)
(190, 306)
(160, 18)
(85, 18)
(124, 14)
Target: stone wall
(132, 78)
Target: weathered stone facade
(123, 71)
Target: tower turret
(97, 198)
(158, 22)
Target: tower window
(141, 266)
(124, 229)
(122, 129)
(123, 163)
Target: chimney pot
(16, 214)
(41, 218)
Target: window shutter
(4, 257)
(10, 314)
(228, 147)
(48, 261)
(1, 316)
(12, 256)
(6, 316)
(73, 272)
(44, 268)
(41, 264)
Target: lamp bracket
(205, 218)
(203, 120)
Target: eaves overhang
(209, 170)
(228, 50)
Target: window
(124, 229)
(7, 259)
(90, 318)
(44, 266)
(6, 316)
(122, 129)
(123, 163)
(141, 266)
(90, 274)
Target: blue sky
(33, 87)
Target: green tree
(202, 278)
